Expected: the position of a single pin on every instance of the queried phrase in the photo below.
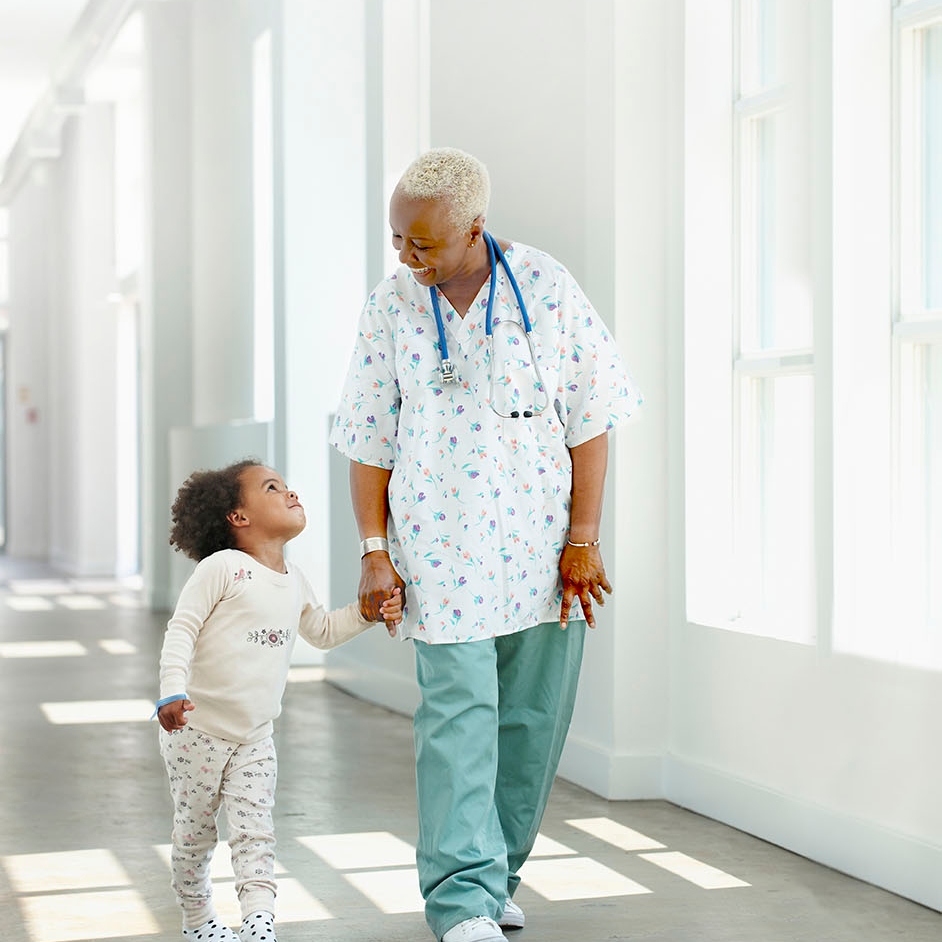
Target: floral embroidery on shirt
(241, 576)
(270, 637)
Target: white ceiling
(32, 33)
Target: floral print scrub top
(479, 505)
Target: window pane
(775, 263)
(932, 167)
(919, 534)
(933, 457)
(775, 549)
(759, 38)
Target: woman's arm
(369, 487)
(581, 567)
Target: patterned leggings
(204, 773)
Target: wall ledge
(614, 776)
(889, 859)
(372, 684)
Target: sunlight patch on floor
(369, 850)
(390, 891)
(39, 586)
(547, 847)
(694, 871)
(303, 675)
(615, 834)
(81, 603)
(98, 711)
(28, 603)
(64, 870)
(117, 646)
(69, 917)
(42, 649)
(575, 878)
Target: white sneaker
(211, 931)
(475, 929)
(512, 917)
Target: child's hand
(172, 716)
(391, 610)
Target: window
(750, 451)
(917, 330)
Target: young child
(225, 662)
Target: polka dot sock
(211, 931)
(258, 927)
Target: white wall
(33, 230)
(222, 35)
(83, 353)
(63, 354)
(324, 253)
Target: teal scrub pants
(489, 732)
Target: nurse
(476, 414)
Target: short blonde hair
(449, 174)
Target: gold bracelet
(593, 543)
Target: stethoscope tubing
(494, 252)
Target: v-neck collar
(461, 329)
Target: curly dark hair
(200, 527)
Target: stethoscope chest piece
(448, 373)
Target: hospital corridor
(309, 309)
(86, 815)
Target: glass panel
(918, 540)
(759, 37)
(933, 458)
(775, 546)
(776, 301)
(932, 167)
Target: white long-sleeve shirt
(228, 644)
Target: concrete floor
(84, 816)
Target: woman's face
(428, 242)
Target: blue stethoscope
(494, 252)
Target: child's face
(267, 506)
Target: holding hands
(381, 590)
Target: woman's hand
(378, 582)
(172, 716)
(584, 577)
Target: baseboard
(373, 684)
(891, 860)
(616, 777)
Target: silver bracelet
(373, 543)
(593, 543)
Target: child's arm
(326, 629)
(205, 587)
